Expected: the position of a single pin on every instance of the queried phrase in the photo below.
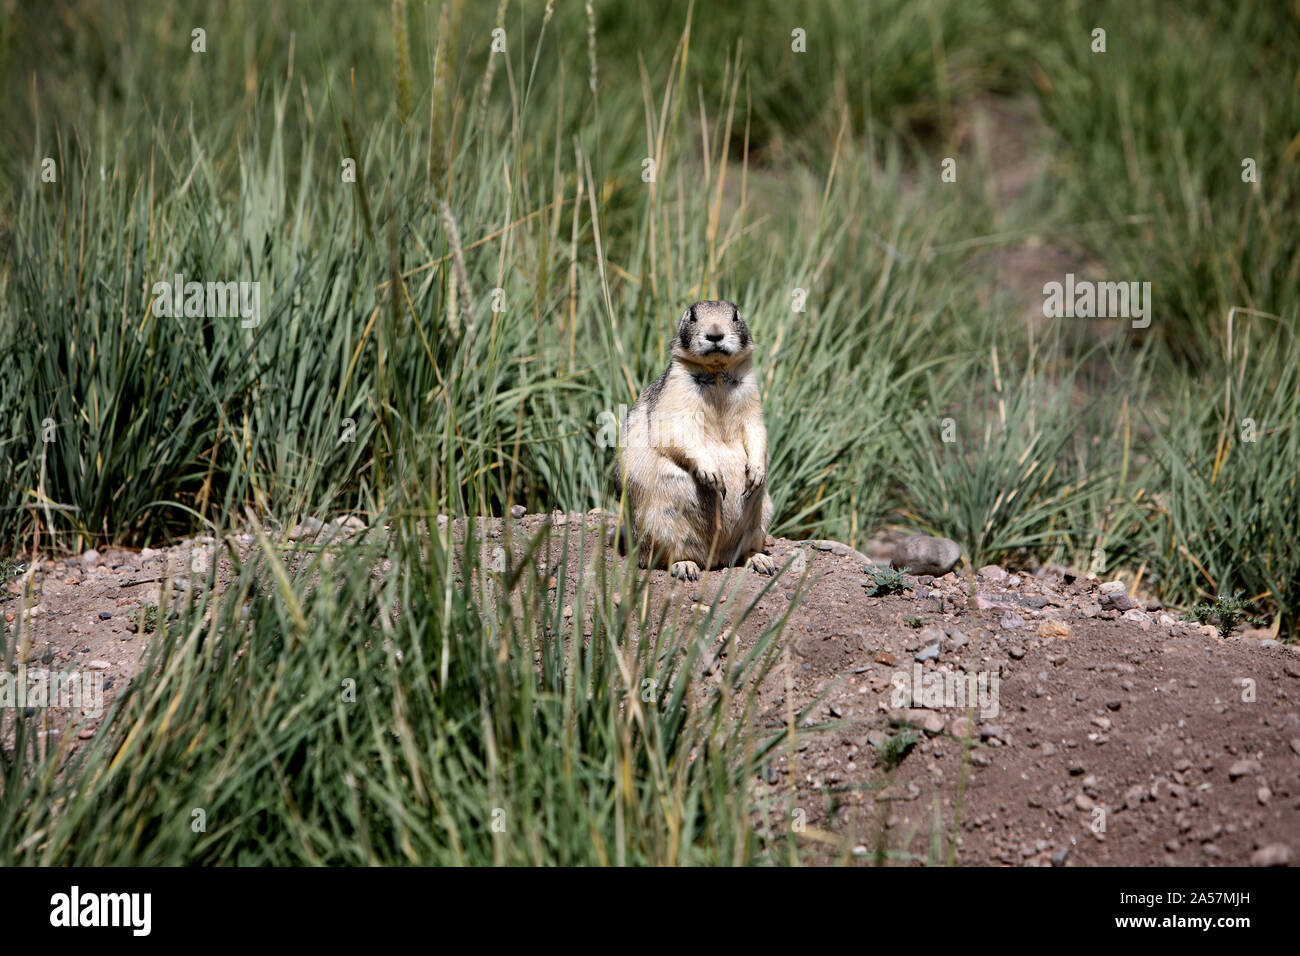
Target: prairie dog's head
(712, 333)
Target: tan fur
(694, 462)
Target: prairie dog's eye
(735, 315)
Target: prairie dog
(694, 460)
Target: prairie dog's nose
(714, 336)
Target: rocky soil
(1104, 730)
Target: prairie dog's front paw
(761, 563)
(710, 476)
(755, 475)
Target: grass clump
(352, 714)
(1226, 612)
(895, 748)
(145, 618)
(885, 581)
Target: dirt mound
(1100, 733)
(1007, 718)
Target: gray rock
(310, 527)
(928, 653)
(1243, 768)
(1057, 571)
(1118, 601)
(924, 554)
(1275, 854)
(518, 511)
(989, 602)
(930, 634)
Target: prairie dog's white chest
(710, 410)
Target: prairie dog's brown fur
(694, 461)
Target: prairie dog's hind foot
(760, 562)
(685, 570)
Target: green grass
(1016, 476)
(146, 618)
(447, 334)
(473, 725)
(1227, 611)
(1227, 476)
(885, 581)
(1153, 134)
(895, 748)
